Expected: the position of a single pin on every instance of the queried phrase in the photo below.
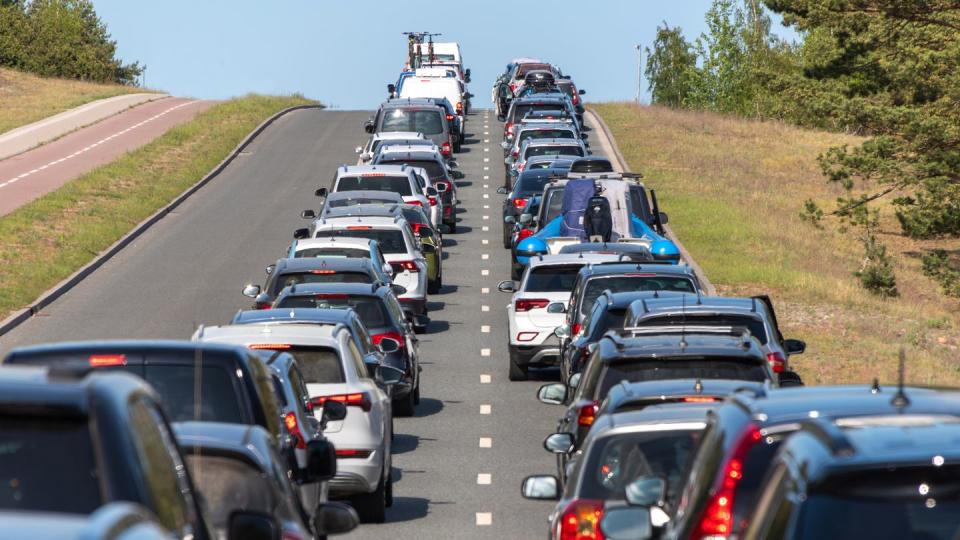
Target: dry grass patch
(26, 98)
(734, 190)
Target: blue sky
(345, 52)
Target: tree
(670, 67)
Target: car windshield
(692, 367)
(391, 240)
(896, 502)
(616, 461)
(376, 182)
(370, 309)
(632, 283)
(553, 150)
(425, 121)
(48, 464)
(693, 319)
(531, 183)
(333, 252)
(319, 276)
(434, 169)
(229, 484)
(176, 385)
(553, 278)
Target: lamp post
(639, 70)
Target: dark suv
(287, 272)
(399, 115)
(744, 433)
(888, 478)
(529, 184)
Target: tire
(517, 372)
(389, 494)
(404, 406)
(416, 395)
(433, 287)
(371, 507)
(452, 225)
(507, 236)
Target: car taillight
(519, 203)
(332, 296)
(270, 347)
(392, 335)
(358, 399)
(524, 233)
(515, 153)
(449, 118)
(108, 360)
(445, 149)
(700, 399)
(717, 519)
(353, 453)
(526, 304)
(587, 414)
(433, 200)
(414, 202)
(580, 520)
(777, 362)
(290, 420)
(520, 166)
(262, 306)
(409, 266)
(508, 129)
(323, 272)
(513, 87)
(576, 328)
(576, 99)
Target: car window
(391, 240)
(659, 369)
(590, 377)
(612, 319)
(531, 183)
(755, 326)
(434, 169)
(299, 387)
(318, 365)
(178, 387)
(229, 484)
(638, 203)
(774, 508)
(375, 182)
(333, 252)
(554, 203)
(370, 309)
(354, 355)
(34, 469)
(638, 282)
(425, 121)
(361, 333)
(319, 276)
(552, 278)
(553, 150)
(268, 399)
(534, 134)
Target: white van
(436, 87)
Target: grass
(45, 241)
(734, 190)
(27, 98)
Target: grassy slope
(734, 190)
(48, 239)
(27, 98)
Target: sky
(344, 52)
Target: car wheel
(372, 507)
(517, 372)
(433, 286)
(507, 236)
(416, 395)
(405, 405)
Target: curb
(621, 163)
(73, 280)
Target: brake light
(359, 399)
(445, 149)
(519, 203)
(509, 129)
(262, 306)
(576, 328)
(526, 304)
(409, 266)
(392, 335)
(332, 296)
(581, 520)
(587, 414)
(290, 420)
(513, 87)
(414, 202)
(777, 362)
(717, 519)
(635, 274)
(353, 453)
(524, 233)
(520, 166)
(359, 227)
(433, 201)
(373, 174)
(270, 346)
(515, 154)
(449, 118)
(107, 360)
(699, 399)
(323, 272)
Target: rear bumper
(357, 475)
(417, 306)
(535, 355)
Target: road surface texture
(34, 173)
(458, 464)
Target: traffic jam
(679, 414)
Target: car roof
(328, 241)
(342, 222)
(573, 258)
(358, 289)
(410, 103)
(614, 346)
(543, 126)
(131, 346)
(702, 305)
(632, 268)
(248, 442)
(308, 264)
(654, 415)
(395, 170)
(294, 316)
(624, 299)
(114, 520)
(610, 247)
(64, 391)
(249, 334)
(552, 142)
(626, 392)
(412, 152)
(362, 209)
(387, 135)
(363, 194)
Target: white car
(369, 150)
(399, 246)
(334, 369)
(539, 306)
(399, 179)
(432, 168)
(437, 87)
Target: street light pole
(639, 71)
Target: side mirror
(398, 289)
(504, 145)
(562, 332)
(420, 323)
(358, 150)
(543, 487)
(457, 175)
(270, 268)
(321, 461)
(428, 249)
(583, 136)
(387, 269)
(333, 411)
(468, 95)
(626, 523)
(388, 374)
(646, 491)
(664, 218)
(794, 346)
(388, 345)
(501, 118)
(557, 307)
(574, 381)
(308, 214)
(442, 188)
(559, 443)
(789, 379)
(301, 234)
(368, 126)
(431, 191)
(334, 518)
(248, 525)
(526, 218)
(552, 394)
(502, 190)
(507, 286)
(251, 291)
(582, 92)
(321, 192)
(509, 219)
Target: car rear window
(434, 169)
(612, 320)
(228, 484)
(396, 184)
(554, 150)
(341, 203)
(616, 461)
(319, 276)
(533, 134)
(554, 278)
(340, 253)
(425, 121)
(521, 109)
(625, 283)
(48, 464)
(178, 389)
(531, 183)
(370, 309)
(391, 240)
(659, 369)
(692, 319)
(319, 365)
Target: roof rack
(687, 329)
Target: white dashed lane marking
(484, 352)
(484, 272)
(486, 442)
(485, 256)
(484, 479)
(486, 409)
(485, 241)
(485, 329)
(485, 290)
(484, 308)
(484, 519)
(484, 379)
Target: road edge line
(621, 163)
(58, 290)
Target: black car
(440, 175)
(744, 434)
(237, 468)
(74, 440)
(591, 164)
(287, 272)
(382, 315)
(519, 108)
(116, 521)
(567, 87)
(426, 118)
(528, 184)
(897, 478)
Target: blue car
(633, 217)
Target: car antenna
(683, 323)
(900, 400)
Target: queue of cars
(259, 428)
(680, 414)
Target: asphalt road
(459, 462)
